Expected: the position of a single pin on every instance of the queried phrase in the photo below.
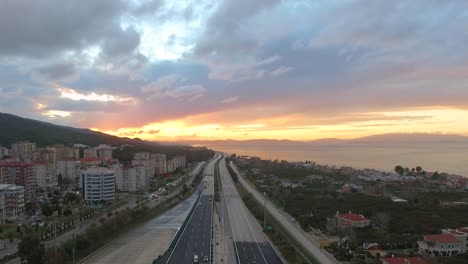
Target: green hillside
(14, 128)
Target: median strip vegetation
(286, 244)
(217, 182)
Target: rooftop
(404, 260)
(352, 217)
(443, 238)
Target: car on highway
(199, 204)
(195, 259)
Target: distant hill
(405, 138)
(14, 128)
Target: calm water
(444, 157)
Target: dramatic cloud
(300, 69)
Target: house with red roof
(404, 260)
(445, 244)
(347, 221)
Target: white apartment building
(149, 166)
(141, 156)
(175, 163)
(104, 151)
(11, 202)
(4, 152)
(23, 150)
(98, 185)
(130, 178)
(45, 174)
(160, 163)
(90, 153)
(68, 169)
(45, 155)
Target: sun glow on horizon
(446, 121)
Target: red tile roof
(405, 260)
(443, 238)
(16, 164)
(91, 159)
(353, 217)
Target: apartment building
(11, 202)
(23, 150)
(90, 153)
(149, 166)
(22, 174)
(160, 163)
(98, 185)
(68, 170)
(44, 155)
(62, 152)
(45, 174)
(104, 151)
(4, 152)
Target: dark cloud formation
(49, 27)
(322, 59)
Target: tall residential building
(44, 155)
(149, 166)
(23, 150)
(4, 152)
(22, 174)
(104, 151)
(62, 152)
(160, 163)
(11, 202)
(98, 185)
(68, 170)
(130, 179)
(175, 163)
(45, 174)
(141, 156)
(90, 153)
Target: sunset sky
(237, 69)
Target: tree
(435, 176)
(31, 250)
(47, 210)
(400, 170)
(60, 179)
(419, 169)
(67, 212)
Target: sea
(450, 157)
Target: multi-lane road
(196, 239)
(244, 240)
(249, 243)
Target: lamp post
(264, 214)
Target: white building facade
(98, 185)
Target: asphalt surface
(250, 243)
(144, 244)
(196, 238)
(295, 230)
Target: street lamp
(264, 214)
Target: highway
(250, 243)
(196, 238)
(285, 220)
